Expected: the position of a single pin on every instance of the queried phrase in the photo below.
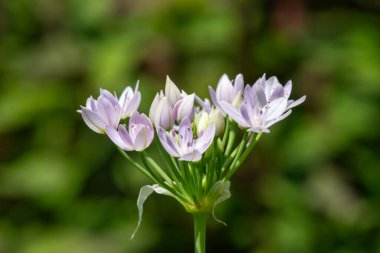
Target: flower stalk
(200, 220)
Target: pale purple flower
(139, 135)
(161, 112)
(184, 108)
(129, 101)
(265, 103)
(228, 91)
(183, 144)
(102, 112)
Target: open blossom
(138, 137)
(129, 101)
(265, 103)
(228, 91)
(101, 112)
(108, 110)
(183, 144)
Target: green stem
(200, 232)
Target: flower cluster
(200, 147)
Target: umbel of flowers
(201, 144)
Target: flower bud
(204, 120)
(161, 112)
(171, 91)
(201, 121)
(224, 90)
(216, 117)
(184, 107)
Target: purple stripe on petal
(204, 141)
(168, 142)
(192, 156)
(115, 138)
(238, 84)
(132, 105)
(276, 108)
(233, 113)
(185, 133)
(125, 136)
(141, 140)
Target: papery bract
(183, 144)
(139, 135)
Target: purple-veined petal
(233, 113)
(288, 89)
(278, 91)
(185, 133)
(163, 116)
(247, 113)
(238, 84)
(224, 89)
(205, 104)
(259, 130)
(125, 136)
(132, 106)
(205, 140)
(171, 91)
(114, 135)
(109, 113)
(297, 102)
(260, 93)
(92, 120)
(213, 96)
(192, 156)
(109, 96)
(168, 142)
(275, 109)
(184, 107)
(142, 139)
(249, 95)
(283, 116)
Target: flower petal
(142, 139)
(92, 120)
(114, 135)
(168, 142)
(204, 141)
(213, 96)
(233, 113)
(297, 102)
(192, 156)
(185, 133)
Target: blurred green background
(311, 185)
